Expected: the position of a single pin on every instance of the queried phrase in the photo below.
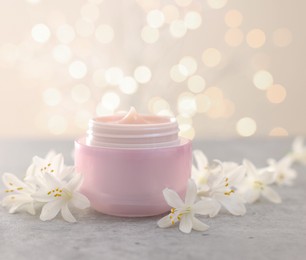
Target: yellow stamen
(229, 192)
(258, 184)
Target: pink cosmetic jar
(128, 159)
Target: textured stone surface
(267, 231)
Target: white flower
(58, 195)
(48, 183)
(299, 150)
(229, 166)
(19, 198)
(220, 184)
(184, 212)
(201, 172)
(257, 183)
(283, 173)
(52, 164)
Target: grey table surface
(267, 231)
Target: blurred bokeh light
(222, 68)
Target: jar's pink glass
(127, 161)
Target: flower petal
(198, 225)
(51, 154)
(216, 166)
(7, 200)
(266, 176)
(206, 206)
(80, 201)
(42, 196)
(203, 190)
(191, 192)
(75, 182)
(66, 214)
(271, 162)
(271, 195)
(236, 175)
(38, 161)
(25, 207)
(186, 223)
(201, 159)
(67, 171)
(14, 183)
(234, 205)
(286, 161)
(58, 163)
(30, 171)
(195, 173)
(297, 145)
(51, 181)
(16, 198)
(251, 195)
(31, 209)
(172, 198)
(164, 222)
(286, 178)
(228, 166)
(51, 209)
(15, 208)
(250, 168)
(17, 202)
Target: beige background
(55, 76)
